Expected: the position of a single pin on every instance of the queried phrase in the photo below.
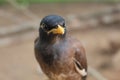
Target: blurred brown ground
(17, 61)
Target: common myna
(60, 57)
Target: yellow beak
(58, 30)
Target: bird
(60, 56)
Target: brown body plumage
(61, 58)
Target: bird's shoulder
(75, 42)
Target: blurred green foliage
(2, 1)
(58, 1)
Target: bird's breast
(54, 57)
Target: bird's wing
(80, 61)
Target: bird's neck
(50, 39)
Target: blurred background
(96, 23)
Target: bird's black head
(52, 26)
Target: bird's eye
(44, 26)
